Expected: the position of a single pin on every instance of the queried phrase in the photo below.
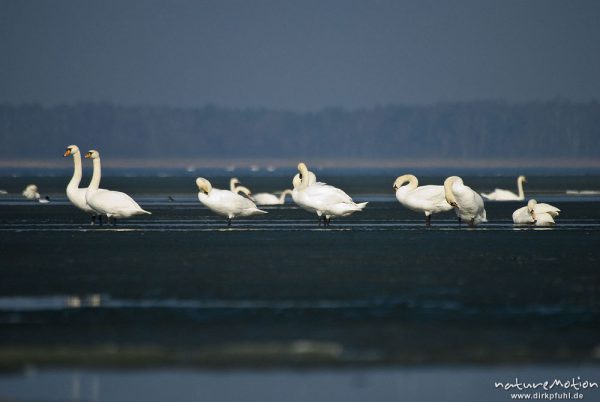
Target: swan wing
(233, 201)
(327, 194)
(546, 208)
(114, 203)
(428, 198)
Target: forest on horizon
(480, 129)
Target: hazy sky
(301, 55)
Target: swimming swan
(225, 202)
(428, 199)
(536, 214)
(75, 194)
(326, 200)
(507, 195)
(466, 202)
(271, 199)
(113, 204)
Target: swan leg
(229, 222)
(93, 220)
(472, 223)
(100, 220)
(459, 221)
(114, 221)
(427, 220)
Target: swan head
(71, 150)
(203, 185)
(92, 154)
(522, 179)
(448, 183)
(234, 181)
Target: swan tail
(260, 211)
(362, 205)
(146, 212)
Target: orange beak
(88, 155)
(68, 152)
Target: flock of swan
(322, 199)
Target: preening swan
(113, 204)
(467, 203)
(75, 194)
(507, 195)
(225, 202)
(536, 214)
(31, 193)
(326, 200)
(271, 199)
(429, 199)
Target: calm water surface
(392, 302)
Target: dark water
(178, 289)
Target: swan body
(507, 195)
(225, 202)
(325, 200)
(467, 203)
(75, 194)
(270, 199)
(536, 214)
(113, 204)
(428, 199)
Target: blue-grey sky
(299, 55)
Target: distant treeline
(474, 129)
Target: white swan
(31, 193)
(113, 204)
(428, 199)
(225, 202)
(507, 195)
(467, 203)
(75, 194)
(536, 214)
(326, 200)
(271, 199)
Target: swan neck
(520, 188)
(76, 179)
(448, 191)
(283, 194)
(95, 182)
(413, 182)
